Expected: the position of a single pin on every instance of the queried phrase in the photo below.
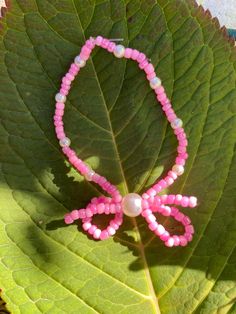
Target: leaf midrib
(141, 246)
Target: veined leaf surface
(117, 126)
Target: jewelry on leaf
(131, 204)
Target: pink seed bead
(66, 81)
(86, 225)
(143, 64)
(60, 105)
(117, 198)
(111, 47)
(178, 130)
(61, 135)
(146, 213)
(97, 233)
(178, 199)
(149, 68)
(105, 43)
(160, 230)
(186, 221)
(98, 40)
(141, 57)
(128, 52)
(114, 225)
(162, 97)
(92, 229)
(176, 240)
(169, 180)
(104, 235)
(183, 155)
(171, 117)
(164, 198)
(185, 201)
(74, 214)
(183, 241)
(82, 213)
(180, 161)
(165, 236)
(151, 192)
(188, 236)
(189, 229)
(68, 219)
(58, 123)
(170, 242)
(88, 212)
(70, 77)
(174, 211)
(181, 149)
(150, 218)
(163, 184)
(145, 196)
(135, 54)
(159, 90)
(145, 204)
(74, 71)
(64, 91)
(100, 208)
(151, 75)
(192, 201)
(90, 44)
(170, 199)
(166, 211)
(157, 187)
(183, 142)
(153, 225)
(111, 230)
(179, 216)
(181, 136)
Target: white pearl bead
(79, 61)
(64, 142)
(178, 169)
(155, 82)
(132, 204)
(60, 98)
(177, 123)
(89, 175)
(119, 51)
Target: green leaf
(115, 125)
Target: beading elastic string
(132, 204)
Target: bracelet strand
(132, 204)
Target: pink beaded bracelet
(131, 204)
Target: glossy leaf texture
(117, 126)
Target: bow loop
(164, 205)
(160, 204)
(97, 206)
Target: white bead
(132, 204)
(155, 82)
(119, 51)
(79, 61)
(89, 175)
(60, 98)
(178, 169)
(64, 142)
(177, 123)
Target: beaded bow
(157, 204)
(132, 204)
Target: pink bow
(153, 204)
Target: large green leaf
(115, 125)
